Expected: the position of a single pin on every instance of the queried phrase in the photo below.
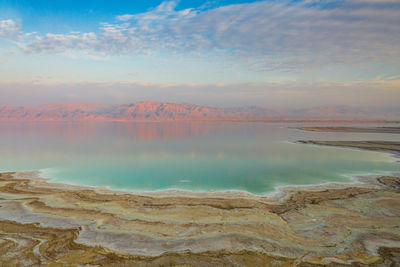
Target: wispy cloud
(10, 29)
(264, 36)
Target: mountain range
(157, 111)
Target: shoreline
(335, 223)
(109, 219)
(289, 121)
(352, 178)
(346, 129)
(389, 147)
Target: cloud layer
(300, 52)
(265, 35)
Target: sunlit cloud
(264, 36)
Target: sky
(300, 53)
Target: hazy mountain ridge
(157, 111)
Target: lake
(255, 157)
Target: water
(255, 157)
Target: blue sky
(45, 16)
(223, 53)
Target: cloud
(125, 17)
(263, 36)
(57, 43)
(10, 29)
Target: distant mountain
(155, 111)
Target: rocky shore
(336, 224)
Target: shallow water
(255, 157)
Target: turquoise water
(255, 157)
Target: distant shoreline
(212, 121)
(393, 130)
(162, 111)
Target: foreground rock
(338, 224)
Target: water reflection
(196, 156)
(148, 131)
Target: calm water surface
(255, 157)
